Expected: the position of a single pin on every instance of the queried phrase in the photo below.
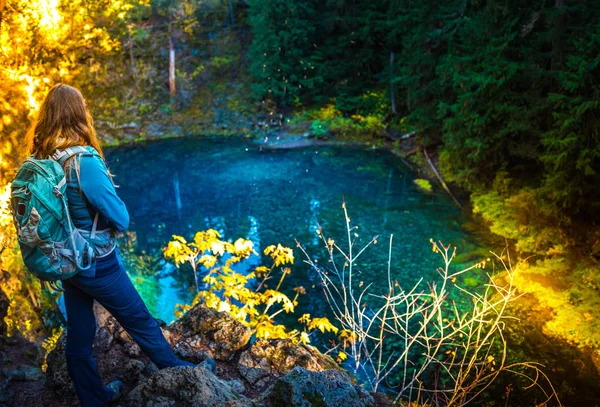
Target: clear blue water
(182, 186)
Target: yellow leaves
(304, 319)
(271, 297)
(243, 247)
(304, 338)
(267, 330)
(217, 247)
(482, 264)
(347, 336)
(434, 247)
(207, 261)
(5, 214)
(180, 310)
(341, 357)
(49, 344)
(179, 250)
(203, 240)
(280, 254)
(261, 270)
(179, 239)
(323, 325)
(227, 289)
(224, 307)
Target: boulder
(268, 360)
(306, 388)
(203, 332)
(185, 387)
(21, 376)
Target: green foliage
(281, 56)
(142, 268)
(319, 128)
(571, 153)
(517, 217)
(423, 184)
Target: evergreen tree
(282, 58)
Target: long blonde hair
(64, 120)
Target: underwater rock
(184, 386)
(328, 388)
(210, 333)
(267, 360)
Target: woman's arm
(100, 191)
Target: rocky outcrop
(328, 388)
(242, 374)
(4, 303)
(21, 377)
(203, 332)
(185, 387)
(265, 361)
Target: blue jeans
(113, 289)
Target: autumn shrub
(249, 297)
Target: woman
(63, 124)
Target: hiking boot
(116, 386)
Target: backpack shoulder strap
(61, 156)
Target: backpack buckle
(56, 191)
(57, 155)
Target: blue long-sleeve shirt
(97, 194)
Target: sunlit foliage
(248, 297)
(43, 42)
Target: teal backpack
(52, 248)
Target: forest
(490, 108)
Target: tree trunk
(559, 27)
(439, 177)
(556, 60)
(172, 68)
(231, 13)
(131, 59)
